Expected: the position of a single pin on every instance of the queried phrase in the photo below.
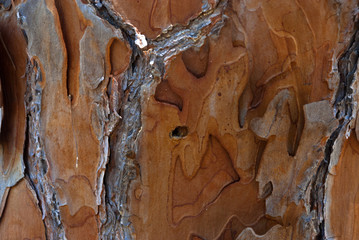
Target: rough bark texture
(191, 119)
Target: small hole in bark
(179, 132)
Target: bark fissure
(27, 172)
(147, 67)
(37, 164)
(343, 108)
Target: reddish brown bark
(166, 119)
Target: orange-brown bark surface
(165, 119)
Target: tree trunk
(166, 119)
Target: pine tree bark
(192, 119)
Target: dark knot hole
(179, 132)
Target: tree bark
(192, 119)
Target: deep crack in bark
(343, 107)
(146, 69)
(36, 162)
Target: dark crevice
(65, 38)
(72, 28)
(343, 106)
(127, 31)
(28, 175)
(292, 140)
(296, 124)
(243, 105)
(36, 165)
(122, 167)
(25, 36)
(261, 147)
